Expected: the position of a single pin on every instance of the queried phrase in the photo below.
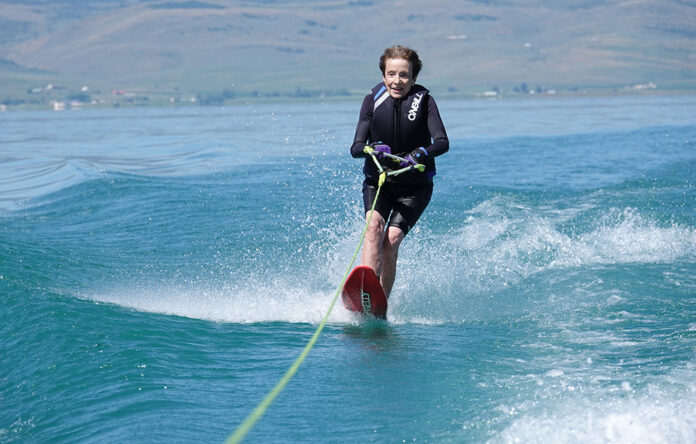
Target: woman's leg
(390, 253)
(372, 248)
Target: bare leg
(372, 248)
(390, 253)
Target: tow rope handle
(369, 150)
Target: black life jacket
(403, 125)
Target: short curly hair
(401, 52)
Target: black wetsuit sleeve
(437, 131)
(362, 132)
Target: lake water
(160, 269)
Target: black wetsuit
(405, 125)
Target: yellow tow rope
(261, 408)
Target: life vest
(403, 125)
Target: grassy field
(213, 51)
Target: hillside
(215, 48)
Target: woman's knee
(375, 228)
(392, 240)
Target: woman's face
(398, 77)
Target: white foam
(503, 242)
(274, 302)
(624, 236)
(620, 420)
(463, 273)
(615, 299)
(660, 410)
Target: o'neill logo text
(414, 107)
(366, 303)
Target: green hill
(216, 50)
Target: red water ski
(363, 293)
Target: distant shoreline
(66, 102)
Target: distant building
(649, 85)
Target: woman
(398, 117)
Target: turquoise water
(160, 269)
